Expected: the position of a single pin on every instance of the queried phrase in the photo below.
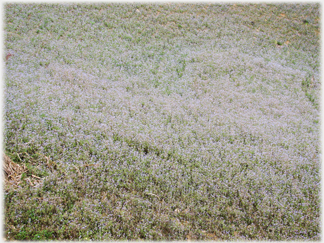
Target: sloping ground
(172, 122)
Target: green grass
(163, 121)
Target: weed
(163, 121)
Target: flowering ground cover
(163, 121)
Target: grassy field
(163, 121)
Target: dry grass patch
(15, 174)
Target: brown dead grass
(13, 174)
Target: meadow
(162, 121)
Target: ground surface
(173, 121)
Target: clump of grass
(163, 121)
